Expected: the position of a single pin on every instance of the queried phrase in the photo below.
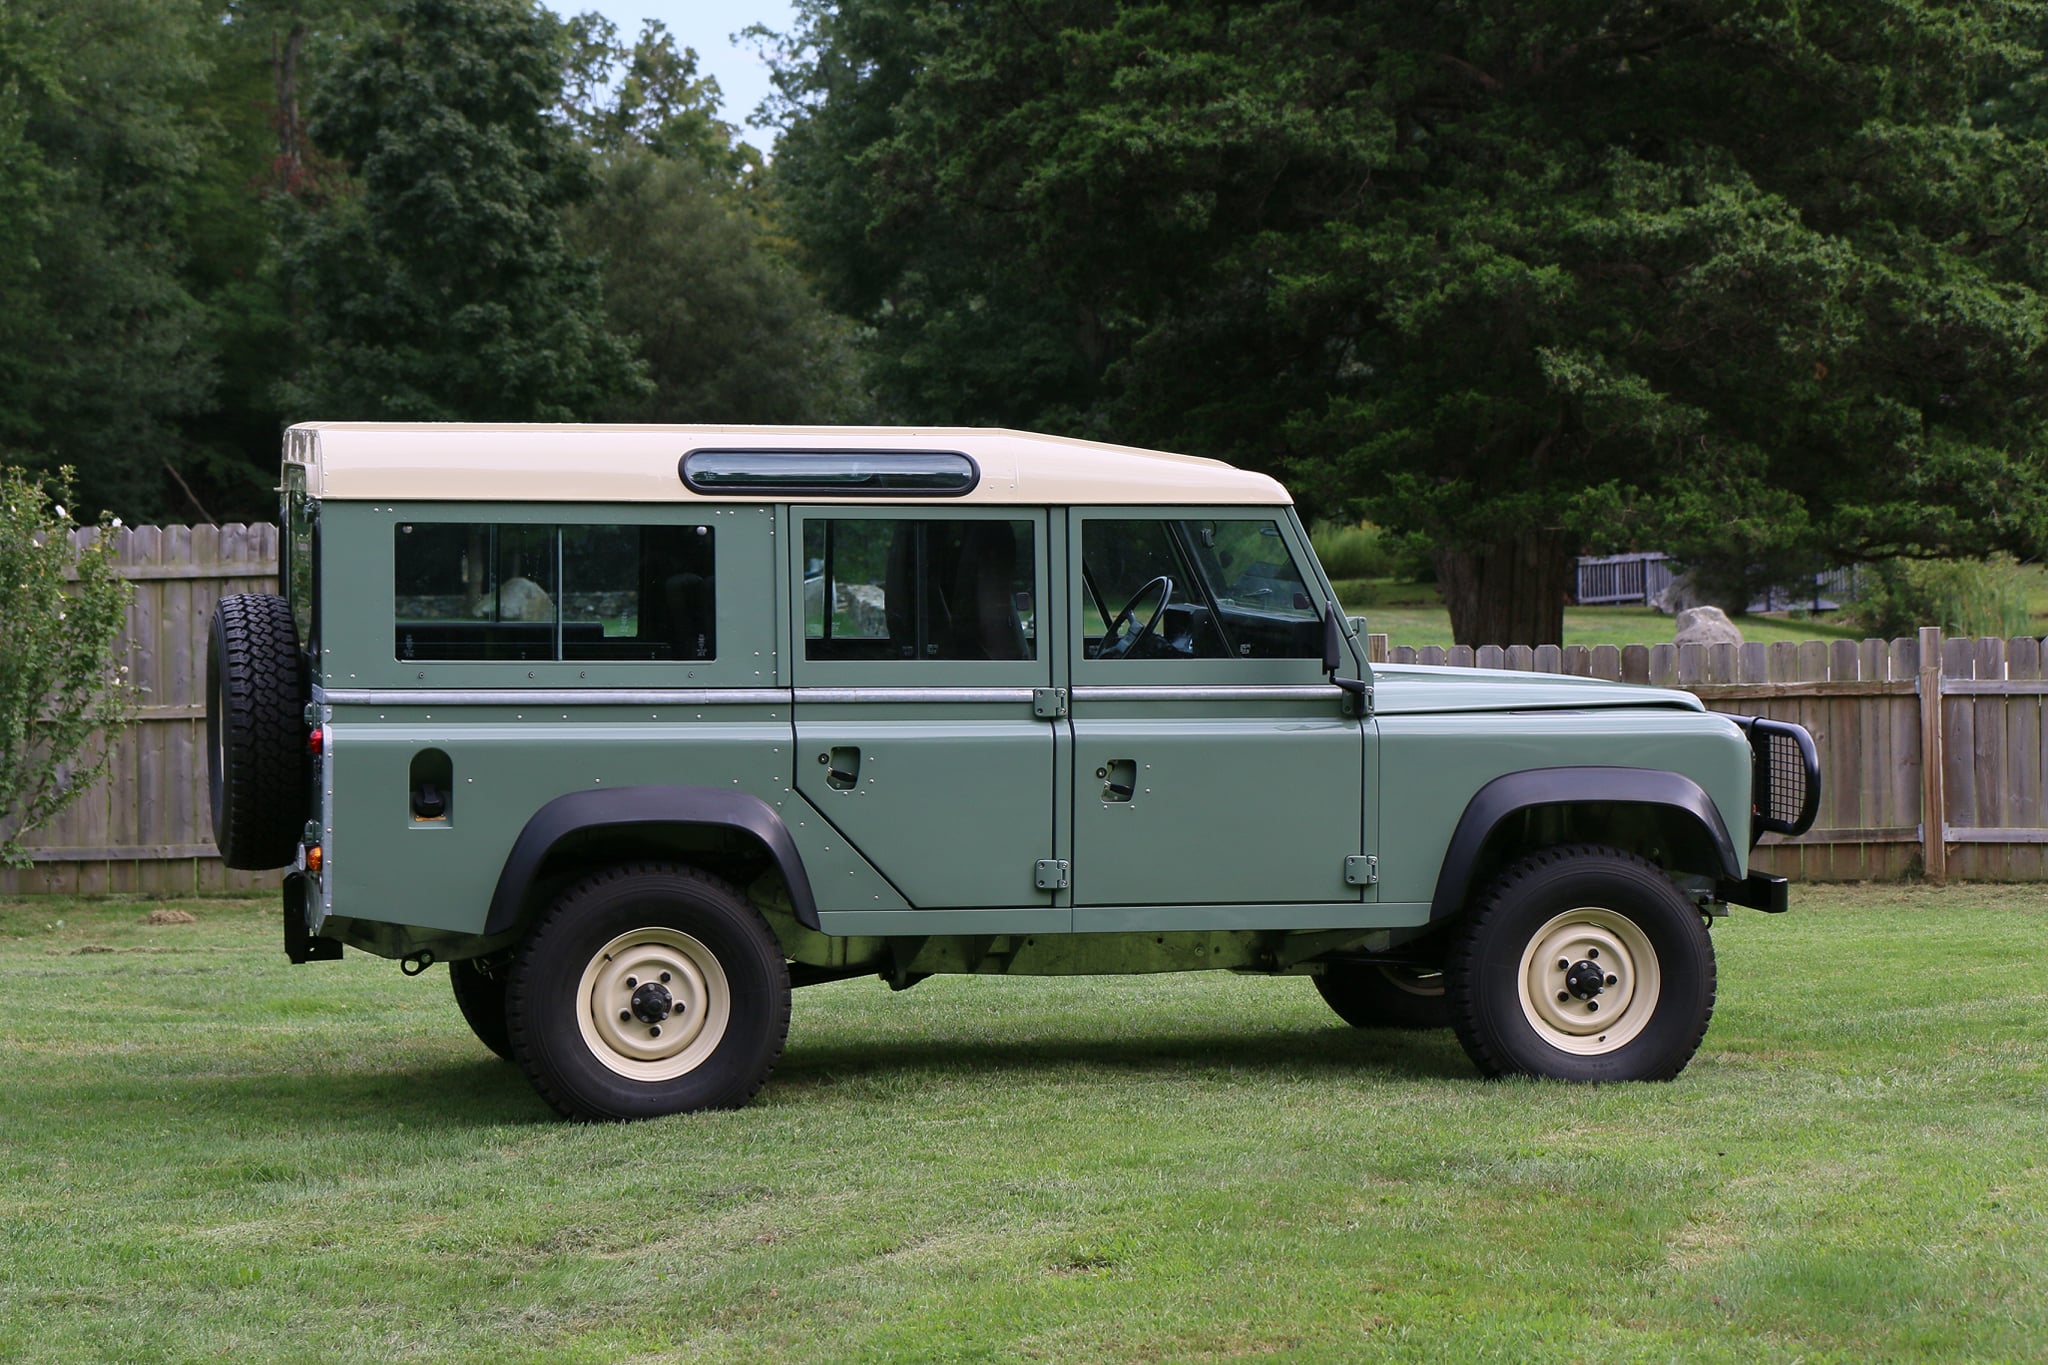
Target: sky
(708, 26)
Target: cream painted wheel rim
(1568, 1006)
(619, 1003)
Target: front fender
(1514, 793)
(623, 807)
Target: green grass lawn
(208, 1152)
(1414, 614)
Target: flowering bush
(61, 612)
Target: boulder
(1706, 626)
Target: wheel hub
(1586, 979)
(652, 1003)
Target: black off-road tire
(1385, 995)
(1582, 963)
(589, 986)
(257, 767)
(480, 995)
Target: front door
(1214, 764)
(917, 662)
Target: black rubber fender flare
(1513, 793)
(622, 807)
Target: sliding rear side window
(522, 592)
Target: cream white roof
(463, 462)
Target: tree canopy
(1751, 283)
(221, 216)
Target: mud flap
(300, 943)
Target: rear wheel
(1385, 995)
(648, 989)
(1582, 964)
(480, 995)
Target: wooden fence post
(1933, 805)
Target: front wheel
(645, 990)
(1582, 964)
(1385, 995)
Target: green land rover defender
(638, 728)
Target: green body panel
(952, 803)
(1247, 802)
(1432, 765)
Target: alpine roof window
(873, 473)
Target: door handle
(1119, 779)
(842, 767)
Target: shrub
(1361, 551)
(1962, 596)
(61, 610)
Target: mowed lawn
(211, 1153)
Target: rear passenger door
(918, 658)
(1214, 762)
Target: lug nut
(1563, 996)
(625, 1015)
(1612, 978)
(1592, 1005)
(654, 1031)
(1564, 964)
(631, 982)
(1592, 952)
(664, 978)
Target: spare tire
(257, 767)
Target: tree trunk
(1511, 592)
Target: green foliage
(442, 287)
(61, 611)
(103, 349)
(1358, 551)
(647, 96)
(1962, 596)
(727, 328)
(1733, 281)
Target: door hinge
(1362, 869)
(1048, 703)
(1051, 874)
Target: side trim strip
(1019, 696)
(1215, 692)
(557, 696)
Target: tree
(61, 610)
(102, 348)
(1742, 282)
(728, 329)
(442, 287)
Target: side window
(482, 590)
(1194, 588)
(881, 588)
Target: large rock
(1706, 626)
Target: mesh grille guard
(1785, 786)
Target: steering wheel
(1112, 647)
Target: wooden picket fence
(1905, 728)
(147, 828)
(1932, 749)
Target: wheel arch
(1635, 809)
(704, 824)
